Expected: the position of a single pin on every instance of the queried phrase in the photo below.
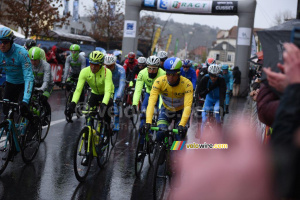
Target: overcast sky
(264, 16)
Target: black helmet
(29, 43)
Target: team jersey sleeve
(108, 87)
(122, 82)
(138, 89)
(67, 68)
(156, 88)
(47, 76)
(188, 101)
(28, 75)
(79, 87)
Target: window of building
(229, 57)
(217, 56)
(73, 30)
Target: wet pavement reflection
(51, 174)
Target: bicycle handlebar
(208, 111)
(6, 101)
(157, 129)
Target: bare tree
(34, 16)
(282, 17)
(109, 21)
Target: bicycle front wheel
(5, 148)
(32, 139)
(82, 159)
(46, 120)
(160, 175)
(140, 157)
(103, 148)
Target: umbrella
(101, 49)
(64, 45)
(139, 54)
(272, 40)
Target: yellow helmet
(97, 57)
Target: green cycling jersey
(101, 83)
(143, 79)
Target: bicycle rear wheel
(5, 148)
(46, 121)
(103, 147)
(139, 157)
(160, 175)
(32, 140)
(82, 160)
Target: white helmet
(153, 61)
(214, 69)
(142, 60)
(110, 59)
(162, 55)
(82, 53)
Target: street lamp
(191, 33)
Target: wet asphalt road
(51, 175)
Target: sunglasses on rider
(4, 41)
(185, 66)
(152, 68)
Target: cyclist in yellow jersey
(99, 79)
(177, 96)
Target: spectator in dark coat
(237, 81)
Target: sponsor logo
(149, 3)
(188, 91)
(166, 90)
(157, 82)
(163, 4)
(3, 62)
(178, 5)
(13, 60)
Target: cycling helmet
(173, 64)
(163, 55)
(186, 63)
(152, 61)
(6, 34)
(225, 67)
(142, 60)
(35, 53)
(29, 44)
(210, 61)
(82, 53)
(110, 59)
(214, 69)
(96, 57)
(75, 47)
(131, 55)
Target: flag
(157, 35)
(176, 47)
(169, 42)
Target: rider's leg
(163, 123)
(143, 116)
(227, 99)
(208, 106)
(217, 109)
(116, 113)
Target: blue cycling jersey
(229, 80)
(215, 93)
(190, 74)
(17, 65)
(118, 77)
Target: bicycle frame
(12, 126)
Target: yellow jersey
(174, 98)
